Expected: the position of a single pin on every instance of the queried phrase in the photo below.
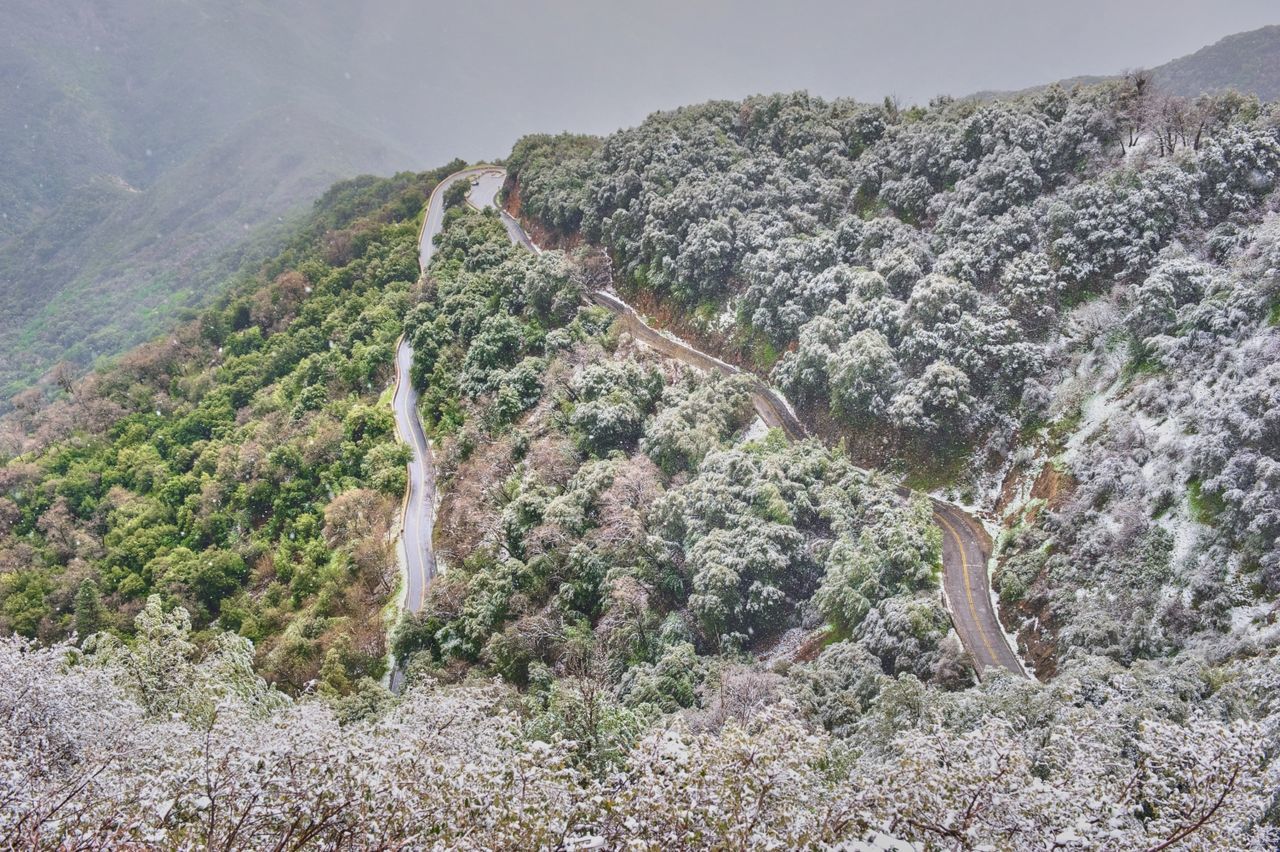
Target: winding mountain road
(966, 550)
(966, 547)
(417, 524)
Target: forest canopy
(659, 622)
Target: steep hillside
(245, 464)
(658, 622)
(1057, 307)
(601, 499)
(596, 666)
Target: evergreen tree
(333, 675)
(90, 614)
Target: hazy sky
(485, 72)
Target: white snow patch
(786, 646)
(1256, 623)
(1244, 617)
(726, 319)
(1098, 410)
(756, 431)
(1186, 532)
(1139, 148)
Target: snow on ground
(785, 648)
(1185, 530)
(786, 403)
(1256, 623)
(726, 319)
(1031, 459)
(1096, 412)
(756, 431)
(1144, 143)
(674, 338)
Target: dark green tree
(456, 194)
(90, 615)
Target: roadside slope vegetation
(244, 466)
(1061, 308)
(599, 568)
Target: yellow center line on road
(968, 587)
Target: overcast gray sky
(596, 65)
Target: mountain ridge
(1247, 62)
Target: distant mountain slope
(325, 312)
(141, 142)
(1247, 62)
(113, 264)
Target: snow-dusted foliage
(1165, 533)
(1078, 288)
(1099, 761)
(696, 415)
(661, 630)
(982, 223)
(619, 538)
(1240, 458)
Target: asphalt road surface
(418, 522)
(419, 506)
(966, 549)
(485, 185)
